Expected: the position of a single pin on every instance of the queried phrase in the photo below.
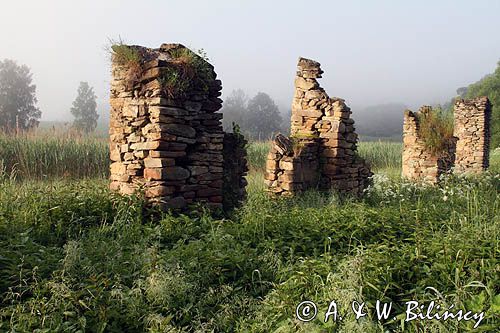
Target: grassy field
(76, 258)
(53, 156)
(48, 156)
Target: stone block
(158, 162)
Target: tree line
(18, 102)
(258, 118)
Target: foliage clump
(187, 71)
(298, 143)
(435, 128)
(300, 135)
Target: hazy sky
(413, 52)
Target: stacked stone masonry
(467, 151)
(321, 152)
(419, 163)
(166, 138)
(472, 128)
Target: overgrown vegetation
(130, 57)
(435, 128)
(187, 72)
(126, 54)
(76, 258)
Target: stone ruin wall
(418, 162)
(321, 151)
(166, 138)
(472, 128)
(468, 150)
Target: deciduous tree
(263, 118)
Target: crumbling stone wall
(467, 150)
(235, 169)
(292, 166)
(321, 152)
(419, 163)
(166, 138)
(472, 128)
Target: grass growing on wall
(435, 128)
(130, 57)
(187, 71)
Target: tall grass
(47, 155)
(50, 156)
(380, 155)
(40, 156)
(257, 153)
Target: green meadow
(76, 258)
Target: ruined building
(321, 151)
(166, 138)
(467, 151)
(419, 162)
